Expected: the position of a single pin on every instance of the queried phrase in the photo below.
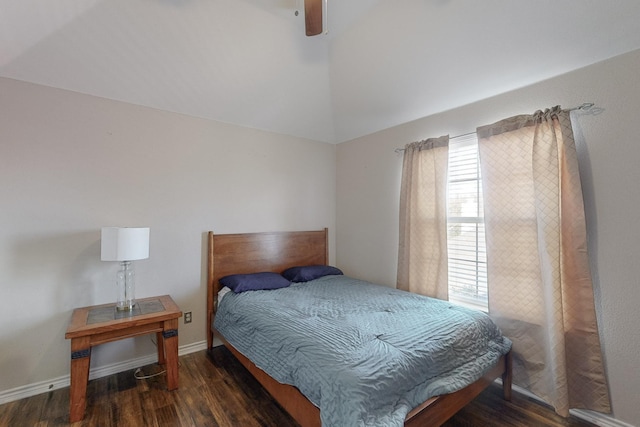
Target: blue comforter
(364, 354)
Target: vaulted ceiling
(248, 62)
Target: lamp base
(126, 287)
(128, 307)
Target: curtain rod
(586, 106)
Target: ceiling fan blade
(313, 17)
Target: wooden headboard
(258, 252)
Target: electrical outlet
(187, 317)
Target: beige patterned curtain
(540, 290)
(422, 255)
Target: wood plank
(218, 391)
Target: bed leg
(507, 376)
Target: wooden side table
(99, 324)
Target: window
(465, 225)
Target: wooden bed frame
(275, 252)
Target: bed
(230, 254)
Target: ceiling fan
(314, 16)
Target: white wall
(368, 187)
(71, 164)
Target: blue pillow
(309, 272)
(254, 282)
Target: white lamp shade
(124, 243)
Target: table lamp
(125, 244)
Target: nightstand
(99, 324)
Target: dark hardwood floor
(218, 391)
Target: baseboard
(597, 418)
(99, 372)
(192, 348)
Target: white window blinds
(465, 225)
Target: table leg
(160, 341)
(170, 335)
(80, 361)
